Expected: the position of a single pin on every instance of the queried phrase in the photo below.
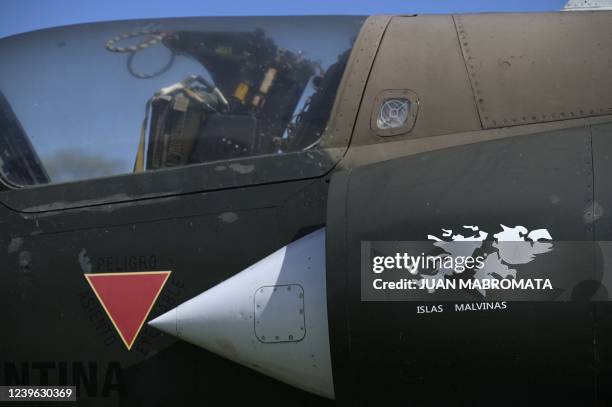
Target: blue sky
(18, 16)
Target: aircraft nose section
(271, 317)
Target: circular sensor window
(393, 114)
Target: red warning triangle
(128, 298)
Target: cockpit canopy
(105, 99)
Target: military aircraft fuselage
(130, 186)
